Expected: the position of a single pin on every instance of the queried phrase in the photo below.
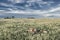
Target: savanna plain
(30, 29)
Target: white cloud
(2, 10)
(45, 13)
(55, 9)
(6, 5)
(33, 11)
(16, 1)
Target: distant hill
(26, 15)
(20, 15)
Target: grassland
(15, 29)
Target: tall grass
(15, 29)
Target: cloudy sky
(41, 7)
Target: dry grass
(15, 29)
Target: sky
(40, 7)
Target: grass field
(16, 29)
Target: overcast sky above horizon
(43, 7)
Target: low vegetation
(29, 29)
